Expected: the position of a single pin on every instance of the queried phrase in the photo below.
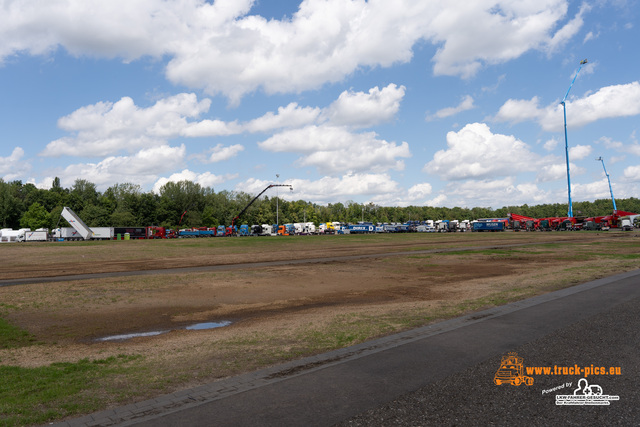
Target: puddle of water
(208, 325)
(195, 327)
(129, 336)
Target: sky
(427, 103)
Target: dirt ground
(273, 303)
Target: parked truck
(66, 233)
(102, 233)
(488, 226)
(74, 221)
(26, 235)
(362, 228)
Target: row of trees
(26, 206)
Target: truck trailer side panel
(75, 221)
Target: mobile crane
(256, 198)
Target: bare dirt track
(278, 312)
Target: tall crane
(566, 144)
(615, 210)
(256, 198)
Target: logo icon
(511, 371)
(585, 394)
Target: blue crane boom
(566, 144)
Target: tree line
(186, 204)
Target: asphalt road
(437, 375)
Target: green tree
(35, 217)
(10, 204)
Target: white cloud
(608, 102)
(590, 36)
(557, 171)
(633, 148)
(465, 104)
(494, 193)
(475, 152)
(591, 190)
(518, 110)
(141, 168)
(13, 166)
(220, 48)
(632, 173)
(579, 152)
(437, 201)
(206, 179)
(475, 34)
(551, 144)
(419, 191)
(335, 150)
(106, 128)
(211, 128)
(331, 189)
(570, 29)
(221, 153)
(45, 184)
(359, 109)
(290, 116)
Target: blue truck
(488, 226)
(361, 228)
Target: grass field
(53, 368)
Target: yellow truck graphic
(511, 371)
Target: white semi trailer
(74, 221)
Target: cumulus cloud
(437, 201)
(419, 191)
(632, 173)
(632, 148)
(579, 152)
(206, 179)
(476, 153)
(331, 189)
(557, 171)
(359, 109)
(290, 116)
(519, 110)
(106, 128)
(13, 165)
(591, 190)
(141, 168)
(494, 193)
(465, 104)
(335, 150)
(551, 144)
(608, 102)
(475, 34)
(221, 48)
(220, 153)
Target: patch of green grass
(14, 337)
(47, 393)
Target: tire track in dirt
(136, 268)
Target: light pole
(277, 210)
(615, 210)
(566, 144)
